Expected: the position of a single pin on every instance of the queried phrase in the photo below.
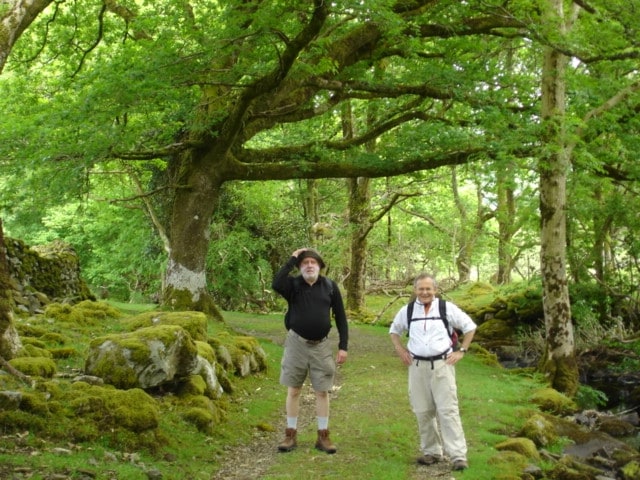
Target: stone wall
(44, 274)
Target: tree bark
(559, 362)
(185, 282)
(505, 216)
(360, 223)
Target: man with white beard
(312, 299)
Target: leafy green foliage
(590, 398)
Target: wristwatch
(463, 350)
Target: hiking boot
(429, 459)
(460, 465)
(324, 442)
(290, 440)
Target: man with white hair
(431, 355)
(312, 299)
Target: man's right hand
(298, 252)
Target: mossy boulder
(84, 313)
(495, 332)
(206, 351)
(202, 412)
(509, 460)
(145, 358)
(193, 322)
(35, 366)
(616, 427)
(571, 468)
(110, 408)
(193, 385)
(248, 356)
(521, 445)
(540, 430)
(552, 401)
(10, 400)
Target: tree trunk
(465, 242)
(559, 363)
(185, 282)
(360, 223)
(505, 215)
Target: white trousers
(434, 399)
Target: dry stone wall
(43, 274)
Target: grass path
(371, 422)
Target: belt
(431, 359)
(442, 356)
(309, 342)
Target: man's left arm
(340, 316)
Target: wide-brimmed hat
(310, 253)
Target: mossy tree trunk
(559, 362)
(507, 227)
(360, 226)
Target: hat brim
(310, 254)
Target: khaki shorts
(301, 359)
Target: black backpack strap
(442, 306)
(409, 315)
(329, 284)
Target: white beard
(310, 277)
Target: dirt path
(252, 461)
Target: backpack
(287, 320)
(442, 306)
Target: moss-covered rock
(85, 313)
(206, 351)
(193, 385)
(569, 468)
(145, 358)
(193, 322)
(550, 400)
(31, 350)
(616, 427)
(539, 430)
(10, 400)
(34, 366)
(512, 461)
(201, 418)
(521, 445)
(111, 408)
(202, 412)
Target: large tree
(248, 91)
(560, 151)
(241, 90)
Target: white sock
(292, 422)
(323, 423)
